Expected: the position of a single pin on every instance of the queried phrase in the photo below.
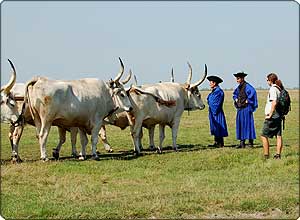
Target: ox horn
(12, 80)
(188, 81)
(121, 72)
(172, 75)
(128, 78)
(135, 80)
(201, 80)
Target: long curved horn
(201, 80)
(135, 80)
(121, 71)
(12, 80)
(128, 78)
(172, 75)
(188, 81)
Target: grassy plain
(196, 182)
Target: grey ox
(80, 103)
(163, 104)
(15, 133)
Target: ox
(121, 120)
(149, 107)
(9, 109)
(76, 103)
(74, 131)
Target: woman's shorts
(272, 127)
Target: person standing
(217, 121)
(245, 101)
(272, 123)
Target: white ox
(121, 120)
(9, 109)
(148, 111)
(76, 103)
(18, 92)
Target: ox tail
(159, 100)
(27, 98)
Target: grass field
(196, 182)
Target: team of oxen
(86, 105)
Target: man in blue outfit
(217, 120)
(245, 101)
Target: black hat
(215, 79)
(240, 74)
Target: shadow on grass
(131, 155)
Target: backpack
(284, 102)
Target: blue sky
(77, 39)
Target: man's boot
(242, 144)
(251, 143)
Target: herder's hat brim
(214, 79)
(240, 74)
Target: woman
(272, 123)
(217, 120)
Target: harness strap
(111, 112)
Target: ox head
(119, 95)
(9, 109)
(193, 95)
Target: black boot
(251, 143)
(242, 144)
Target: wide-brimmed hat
(215, 79)
(240, 74)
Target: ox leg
(140, 139)
(174, 134)
(161, 138)
(136, 136)
(14, 137)
(62, 140)
(43, 136)
(83, 141)
(151, 138)
(74, 132)
(103, 137)
(94, 140)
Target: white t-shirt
(273, 95)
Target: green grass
(196, 182)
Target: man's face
(239, 80)
(212, 84)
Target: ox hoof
(159, 151)
(55, 154)
(74, 155)
(152, 148)
(110, 150)
(96, 157)
(16, 159)
(81, 158)
(45, 159)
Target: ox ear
(201, 80)
(12, 80)
(127, 91)
(111, 83)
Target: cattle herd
(86, 105)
